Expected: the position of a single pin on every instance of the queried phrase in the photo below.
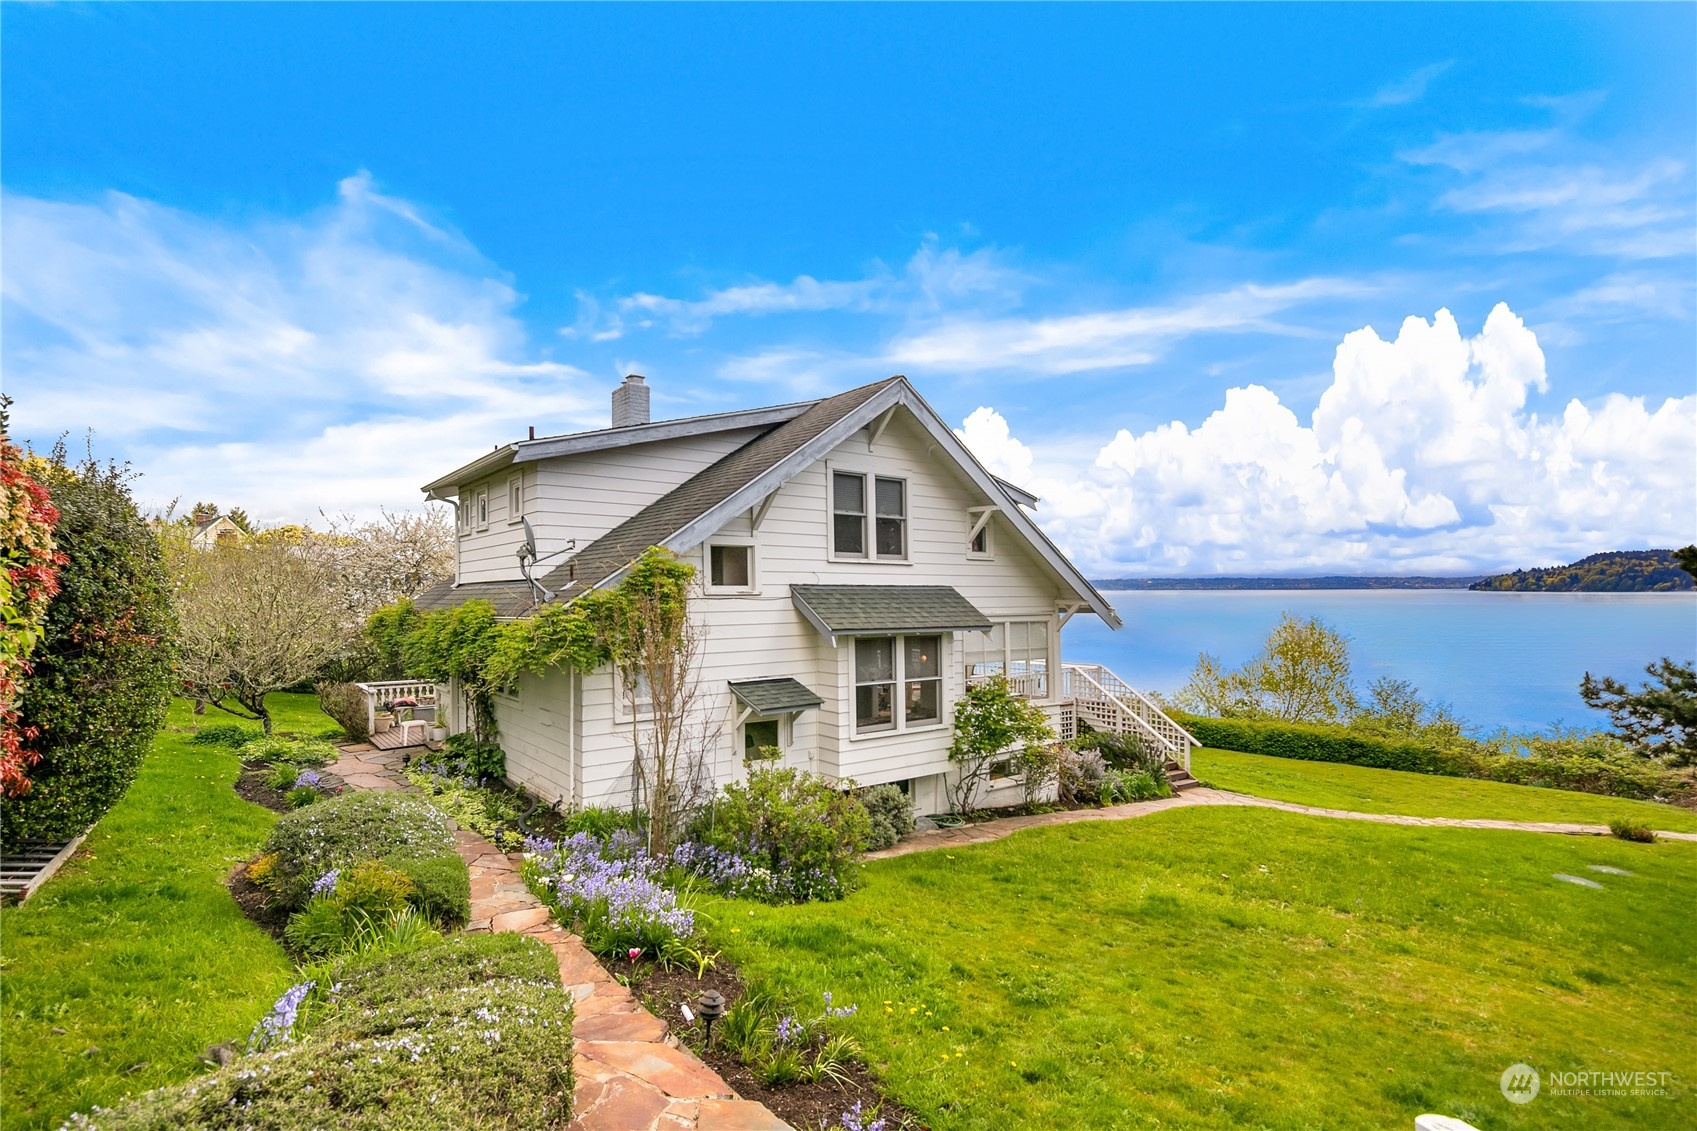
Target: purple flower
(789, 1030)
(326, 883)
(307, 778)
(277, 1027)
(853, 1120)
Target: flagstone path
(1004, 826)
(632, 1074)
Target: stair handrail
(1151, 718)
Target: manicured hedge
(1582, 763)
(102, 672)
(396, 828)
(1313, 743)
(474, 1031)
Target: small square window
(729, 567)
(760, 740)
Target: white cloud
(1409, 88)
(986, 433)
(1105, 339)
(340, 360)
(933, 279)
(1421, 455)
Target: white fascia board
(604, 439)
(782, 472)
(448, 487)
(995, 488)
(897, 393)
(1018, 494)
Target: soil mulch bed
(255, 902)
(800, 1105)
(251, 786)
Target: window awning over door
(865, 610)
(782, 696)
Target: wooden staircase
(1179, 778)
(1106, 702)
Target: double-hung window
(898, 682)
(850, 515)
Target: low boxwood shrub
(799, 828)
(343, 831)
(472, 1031)
(891, 813)
(441, 885)
(1632, 830)
(1316, 743)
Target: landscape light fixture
(712, 1008)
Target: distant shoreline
(1334, 582)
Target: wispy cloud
(934, 278)
(1409, 88)
(336, 360)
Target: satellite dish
(527, 558)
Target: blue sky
(306, 257)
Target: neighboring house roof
(781, 696)
(685, 516)
(846, 610)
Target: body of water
(1499, 659)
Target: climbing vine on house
(641, 626)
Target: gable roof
(603, 439)
(688, 514)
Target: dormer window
(850, 513)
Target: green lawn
(1228, 968)
(123, 968)
(1332, 785)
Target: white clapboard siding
(760, 634)
(582, 497)
(538, 730)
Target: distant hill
(1340, 582)
(1618, 571)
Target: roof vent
(630, 402)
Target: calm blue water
(1499, 659)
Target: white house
(857, 565)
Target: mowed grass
(1331, 785)
(1243, 968)
(116, 975)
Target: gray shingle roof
(861, 609)
(659, 520)
(781, 696)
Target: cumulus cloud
(1422, 454)
(987, 435)
(338, 360)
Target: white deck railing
(1107, 702)
(380, 694)
(1032, 684)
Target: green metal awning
(864, 610)
(781, 696)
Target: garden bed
(820, 1104)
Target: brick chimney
(630, 402)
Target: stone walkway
(632, 1074)
(1005, 826)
